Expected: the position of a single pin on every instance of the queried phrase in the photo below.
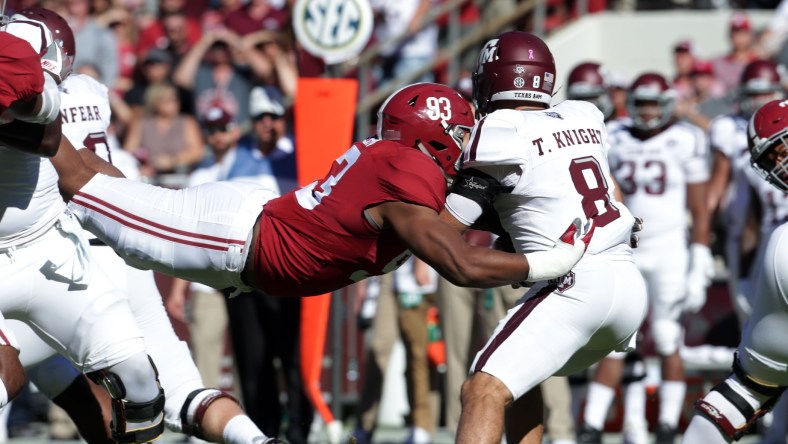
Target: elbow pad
(478, 187)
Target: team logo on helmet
(489, 52)
(519, 69)
(519, 82)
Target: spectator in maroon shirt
(173, 31)
(728, 68)
(258, 15)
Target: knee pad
(131, 421)
(725, 407)
(634, 368)
(667, 336)
(196, 405)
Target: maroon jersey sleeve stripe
(4, 339)
(525, 309)
(475, 141)
(147, 221)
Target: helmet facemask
(770, 160)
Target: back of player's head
(588, 81)
(760, 83)
(650, 101)
(516, 66)
(767, 135)
(51, 33)
(430, 117)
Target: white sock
(702, 430)
(241, 430)
(598, 403)
(421, 436)
(671, 401)
(635, 402)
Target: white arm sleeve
(463, 209)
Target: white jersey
(654, 173)
(85, 114)
(728, 135)
(556, 162)
(773, 202)
(30, 201)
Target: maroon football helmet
(650, 102)
(767, 135)
(58, 59)
(587, 82)
(515, 66)
(760, 83)
(430, 117)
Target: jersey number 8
(593, 191)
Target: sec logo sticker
(335, 30)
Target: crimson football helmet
(587, 81)
(430, 117)
(650, 102)
(59, 50)
(767, 135)
(760, 83)
(515, 66)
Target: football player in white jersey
(190, 407)
(760, 368)
(661, 167)
(729, 188)
(22, 83)
(49, 281)
(537, 166)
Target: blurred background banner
(324, 113)
(336, 30)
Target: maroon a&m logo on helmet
(515, 66)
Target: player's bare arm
(442, 247)
(697, 203)
(75, 169)
(720, 176)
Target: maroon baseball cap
(683, 46)
(702, 67)
(216, 116)
(740, 22)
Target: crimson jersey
(319, 237)
(21, 76)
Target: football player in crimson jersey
(735, 191)
(759, 374)
(537, 165)
(378, 203)
(28, 98)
